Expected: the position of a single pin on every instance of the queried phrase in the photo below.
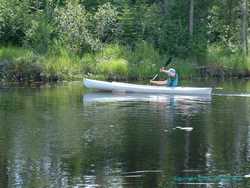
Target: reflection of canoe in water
(110, 97)
(135, 88)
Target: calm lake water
(63, 136)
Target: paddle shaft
(166, 64)
(155, 77)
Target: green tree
(74, 28)
(106, 22)
(14, 21)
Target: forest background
(50, 40)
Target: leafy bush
(111, 61)
(12, 53)
(230, 63)
(105, 20)
(38, 35)
(73, 25)
(114, 68)
(111, 51)
(19, 65)
(144, 61)
(63, 65)
(14, 21)
(88, 63)
(185, 67)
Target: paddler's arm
(159, 83)
(167, 72)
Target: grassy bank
(222, 63)
(113, 62)
(23, 65)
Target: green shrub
(114, 69)
(232, 63)
(185, 68)
(12, 53)
(111, 51)
(62, 65)
(38, 35)
(18, 64)
(14, 21)
(74, 28)
(88, 63)
(144, 61)
(111, 62)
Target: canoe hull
(135, 88)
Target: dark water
(63, 136)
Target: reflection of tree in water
(147, 141)
(142, 125)
(31, 122)
(228, 134)
(183, 151)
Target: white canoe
(135, 88)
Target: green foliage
(186, 68)
(112, 62)
(232, 64)
(152, 24)
(114, 68)
(12, 53)
(106, 22)
(38, 35)
(111, 51)
(82, 36)
(14, 21)
(19, 65)
(88, 63)
(144, 61)
(82, 31)
(223, 23)
(130, 25)
(73, 26)
(62, 65)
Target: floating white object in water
(185, 128)
(208, 154)
(247, 176)
(143, 171)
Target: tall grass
(186, 68)
(231, 64)
(144, 61)
(13, 53)
(114, 69)
(20, 64)
(62, 65)
(118, 62)
(114, 62)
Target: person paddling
(172, 80)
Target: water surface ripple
(63, 136)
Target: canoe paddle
(166, 64)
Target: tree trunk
(191, 18)
(244, 25)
